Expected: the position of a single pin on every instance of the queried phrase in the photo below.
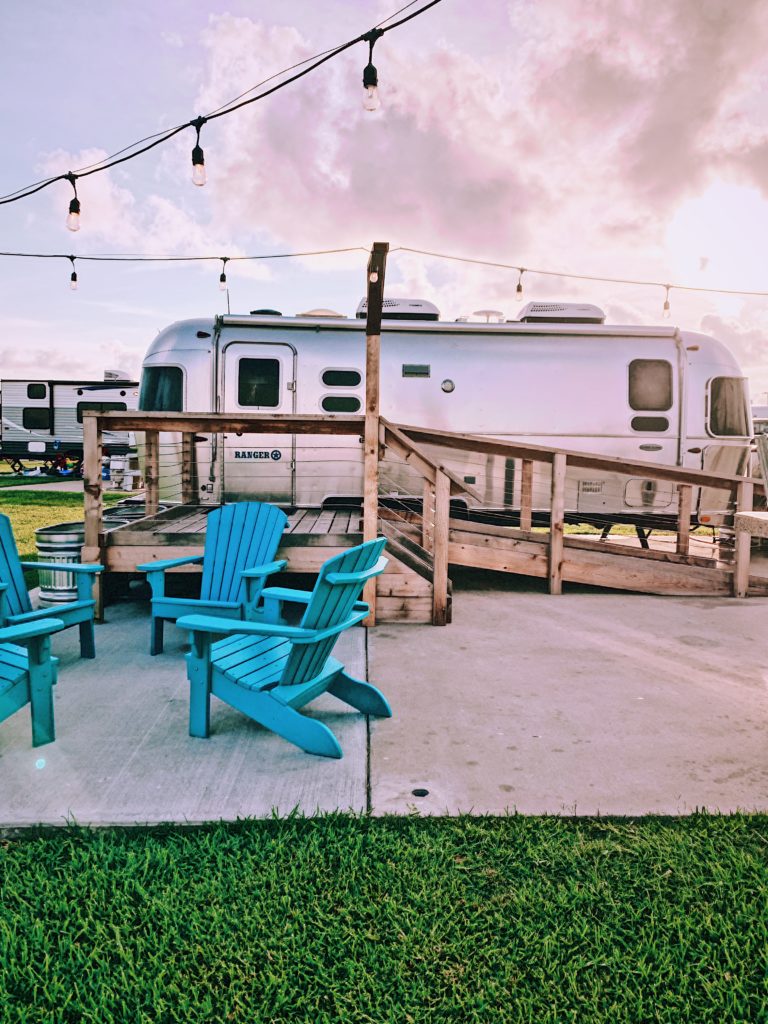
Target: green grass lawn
(369, 920)
(30, 510)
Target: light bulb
(73, 281)
(198, 166)
(371, 99)
(73, 217)
(370, 84)
(666, 313)
(519, 290)
(223, 282)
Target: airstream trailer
(42, 419)
(558, 376)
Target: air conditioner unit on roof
(561, 313)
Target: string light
(519, 289)
(198, 157)
(223, 275)
(666, 312)
(370, 75)
(73, 217)
(73, 276)
(136, 149)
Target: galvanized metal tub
(59, 544)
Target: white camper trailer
(558, 376)
(42, 419)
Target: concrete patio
(591, 702)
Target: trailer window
(36, 419)
(341, 378)
(36, 391)
(258, 383)
(650, 423)
(99, 407)
(340, 403)
(162, 389)
(728, 412)
(650, 385)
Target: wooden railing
(439, 482)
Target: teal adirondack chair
(27, 675)
(268, 669)
(240, 545)
(16, 608)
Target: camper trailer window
(36, 419)
(650, 423)
(162, 389)
(341, 378)
(258, 383)
(36, 391)
(728, 412)
(99, 407)
(340, 403)
(650, 385)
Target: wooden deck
(311, 537)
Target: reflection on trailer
(559, 376)
(42, 419)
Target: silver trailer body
(651, 393)
(43, 419)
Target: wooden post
(526, 495)
(440, 554)
(556, 523)
(188, 466)
(376, 268)
(92, 502)
(684, 500)
(428, 515)
(152, 471)
(744, 500)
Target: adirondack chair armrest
(263, 570)
(286, 594)
(335, 578)
(169, 563)
(230, 627)
(29, 630)
(73, 567)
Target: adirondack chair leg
(41, 678)
(87, 640)
(156, 643)
(199, 673)
(360, 695)
(307, 733)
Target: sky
(616, 138)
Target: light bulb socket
(73, 280)
(198, 157)
(370, 76)
(519, 290)
(74, 206)
(223, 282)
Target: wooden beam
(414, 456)
(608, 463)
(526, 495)
(188, 468)
(222, 422)
(440, 554)
(743, 545)
(92, 501)
(557, 524)
(377, 266)
(428, 516)
(684, 505)
(151, 471)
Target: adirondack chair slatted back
(238, 536)
(16, 596)
(329, 605)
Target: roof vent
(266, 312)
(561, 313)
(116, 375)
(402, 309)
(323, 312)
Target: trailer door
(259, 378)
